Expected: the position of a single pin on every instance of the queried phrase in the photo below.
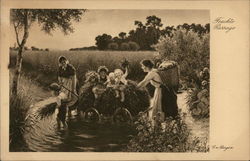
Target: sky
(112, 22)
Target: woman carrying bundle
(164, 102)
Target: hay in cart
(136, 100)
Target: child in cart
(118, 82)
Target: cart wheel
(122, 115)
(91, 115)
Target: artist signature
(224, 24)
(222, 147)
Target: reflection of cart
(108, 106)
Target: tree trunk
(19, 57)
(17, 71)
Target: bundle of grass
(45, 108)
(40, 110)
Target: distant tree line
(145, 35)
(84, 48)
(33, 48)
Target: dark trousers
(62, 112)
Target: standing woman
(67, 78)
(164, 102)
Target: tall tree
(48, 20)
(102, 41)
(168, 31)
(153, 32)
(186, 26)
(122, 35)
(154, 22)
(207, 28)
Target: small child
(103, 73)
(61, 98)
(111, 80)
(120, 83)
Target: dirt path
(199, 128)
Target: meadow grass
(44, 65)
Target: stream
(81, 136)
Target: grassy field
(43, 65)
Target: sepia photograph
(124, 80)
(92, 80)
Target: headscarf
(66, 61)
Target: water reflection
(44, 136)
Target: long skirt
(169, 102)
(156, 104)
(164, 104)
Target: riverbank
(28, 93)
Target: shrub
(169, 136)
(198, 98)
(190, 50)
(113, 46)
(124, 46)
(133, 46)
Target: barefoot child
(120, 83)
(61, 99)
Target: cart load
(136, 100)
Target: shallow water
(80, 136)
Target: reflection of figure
(67, 78)
(164, 101)
(61, 105)
(120, 83)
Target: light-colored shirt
(60, 97)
